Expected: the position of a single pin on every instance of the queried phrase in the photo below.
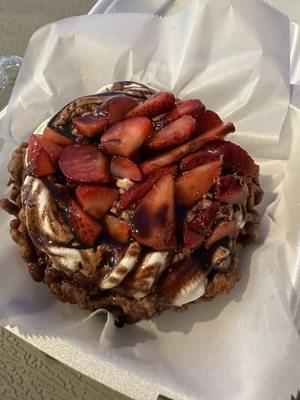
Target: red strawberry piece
(84, 226)
(236, 160)
(193, 184)
(116, 108)
(39, 162)
(122, 167)
(191, 239)
(157, 104)
(139, 190)
(173, 134)
(112, 111)
(204, 219)
(186, 148)
(192, 107)
(207, 121)
(56, 137)
(231, 189)
(83, 163)
(125, 137)
(96, 200)
(53, 149)
(242, 163)
(89, 124)
(184, 277)
(117, 229)
(153, 222)
(196, 159)
(225, 228)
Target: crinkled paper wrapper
(234, 56)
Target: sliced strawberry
(196, 159)
(53, 149)
(219, 147)
(236, 160)
(56, 137)
(153, 222)
(242, 163)
(39, 162)
(186, 148)
(191, 239)
(173, 134)
(116, 108)
(139, 190)
(125, 137)
(122, 167)
(225, 228)
(112, 111)
(83, 163)
(207, 121)
(89, 124)
(157, 104)
(96, 200)
(231, 189)
(204, 219)
(192, 107)
(84, 226)
(193, 184)
(117, 229)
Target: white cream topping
(127, 263)
(239, 219)
(148, 271)
(64, 258)
(42, 214)
(70, 260)
(124, 184)
(194, 291)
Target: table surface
(26, 372)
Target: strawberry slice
(192, 107)
(139, 190)
(113, 110)
(39, 162)
(186, 148)
(153, 222)
(125, 137)
(225, 228)
(204, 219)
(175, 133)
(236, 160)
(231, 189)
(116, 108)
(96, 200)
(157, 104)
(56, 137)
(84, 226)
(83, 163)
(122, 167)
(117, 229)
(53, 149)
(193, 184)
(89, 124)
(191, 239)
(196, 159)
(207, 121)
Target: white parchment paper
(235, 57)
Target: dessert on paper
(131, 201)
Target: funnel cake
(131, 200)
